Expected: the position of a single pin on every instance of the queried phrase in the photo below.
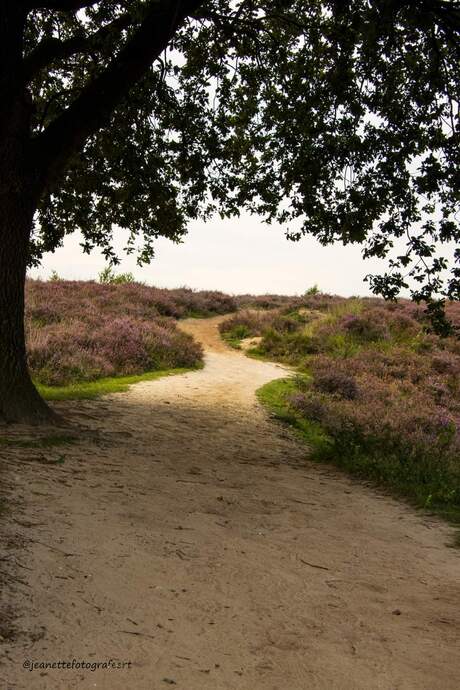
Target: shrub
(245, 324)
(108, 277)
(364, 327)
(83, 351)
(382, 390)
(81, 331)
(75, 299)
(392, 415)
(313, 290)
(336, 383)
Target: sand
(188, 535)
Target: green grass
(382, 471)
(354, 305)
(88, 390)
(235, 343)
(235, 335)
(294, 347)
(274, 396)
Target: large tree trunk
(19, 399)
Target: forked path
(189, 535)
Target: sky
(236, 256)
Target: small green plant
(54, 277)
(233, 332)
(108, 277)
(313, 290)
(275, 397)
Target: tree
(340, 115)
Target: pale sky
(236, 256)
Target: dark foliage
(340, 119)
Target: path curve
(190, 536)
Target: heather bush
(82, 331)
(203, 302)
(394, 416)
(321, 302)
(445, 363)
(245, 324)
(75, 299)
(336, 326)
(364, 327)
(282, 330)
(43, 314)
(74, 351)
(291, 347)
(379, 394)
(320, 323)
(316, 301)
(336, 383)
(265, 302)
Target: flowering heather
(320, 301)
(405, 433)
(51, 301)
(384, 390)
(393, 414)
(345, 328)
(81, 331)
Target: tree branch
(63, 5)
(91, 110)
(51, 49)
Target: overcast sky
(236, 256)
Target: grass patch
(262, 356)
(233, 336)
(353, 305)
(274, 396)
(381, 471)
(231, 341)
(257, 353)
(89, 390)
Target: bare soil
(187, 533)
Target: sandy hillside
(187, 535)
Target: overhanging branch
(92, 109)
(52, 49)
(63, 5)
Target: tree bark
(29, 167)
(19, 399)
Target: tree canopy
(336, 118)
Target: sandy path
(191, 537)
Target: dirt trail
(188, 534)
